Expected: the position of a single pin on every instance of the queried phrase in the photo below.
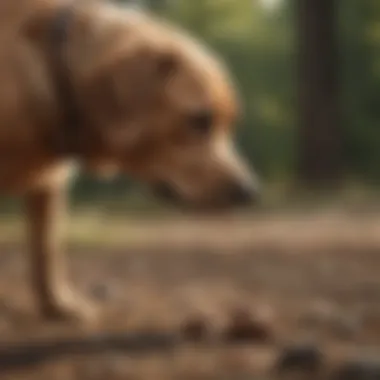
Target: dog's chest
(18, 174)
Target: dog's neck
(49, 29)
(76, 46)
(71, 118)
(82, 35)
(72, 38)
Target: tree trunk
(320, 140)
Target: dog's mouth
(232, 197)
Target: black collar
(70, 117)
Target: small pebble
(300, 357)
(195, 329)
(361, 369)
(247, 327)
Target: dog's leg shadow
(14, 356)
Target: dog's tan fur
(135, 81)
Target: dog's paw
(69, 308)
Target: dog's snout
(241, 194)
(232, 194)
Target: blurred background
(308, 73)
(309, 76)
(302, 266)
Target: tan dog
(108, 87)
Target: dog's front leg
(45, 209)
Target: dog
(109, 88)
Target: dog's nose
(242, 194)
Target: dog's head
(165, 110)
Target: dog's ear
(124, 83)
(167, 65)
(151, 67)
(102, 91)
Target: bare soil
(310, 279)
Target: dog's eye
(201, 121)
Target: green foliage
(360, 39)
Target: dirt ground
(310, 280)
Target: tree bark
(320, 139)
